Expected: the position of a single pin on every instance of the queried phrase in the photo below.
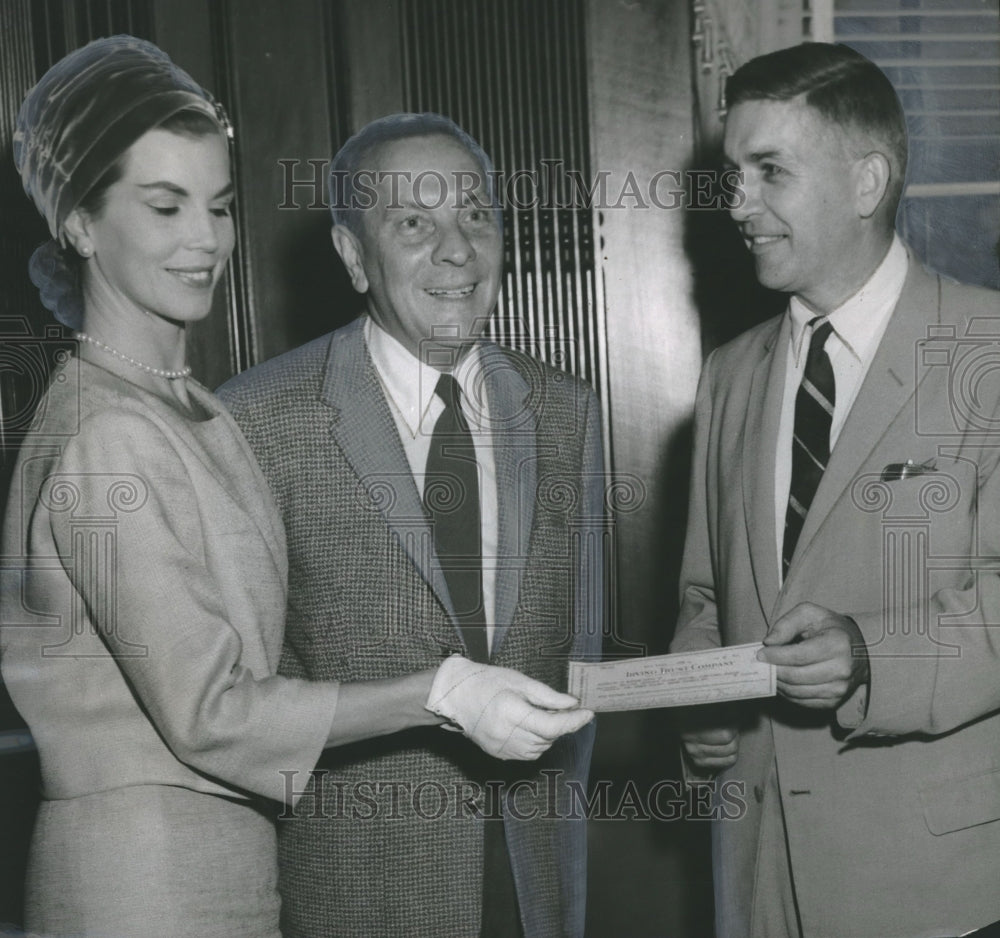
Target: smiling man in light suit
(845, 511)
(438, 493)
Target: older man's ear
(346, 244)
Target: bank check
(681, 680)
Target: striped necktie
(811, 436)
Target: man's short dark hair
(842, 85)
(359, 153)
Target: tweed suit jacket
(387, 839)
(892, 809)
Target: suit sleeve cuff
(852, 712)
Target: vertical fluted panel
(513, 73)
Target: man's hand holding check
(820, 656)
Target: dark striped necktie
(811, 436)
(451, 499)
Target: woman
(143, 616)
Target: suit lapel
(364, 429)
(889, 384)
(514, 427)
(760, 442)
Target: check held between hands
(821, 659)
(507, 714)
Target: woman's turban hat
(88, 109)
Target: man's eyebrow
(755, 158)
(403, 203)
(478, 196)
(759, 156)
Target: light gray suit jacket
(892, 813)
(367, 599)
(143, 572)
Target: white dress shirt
(409, 387)
(858, 326)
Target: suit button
(758, 793)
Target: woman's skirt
(152, 861)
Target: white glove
(504, 712)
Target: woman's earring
(85, 250)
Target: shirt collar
(858, 321)
(410, 383)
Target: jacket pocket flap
(960, 803)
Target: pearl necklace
(142, 366)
